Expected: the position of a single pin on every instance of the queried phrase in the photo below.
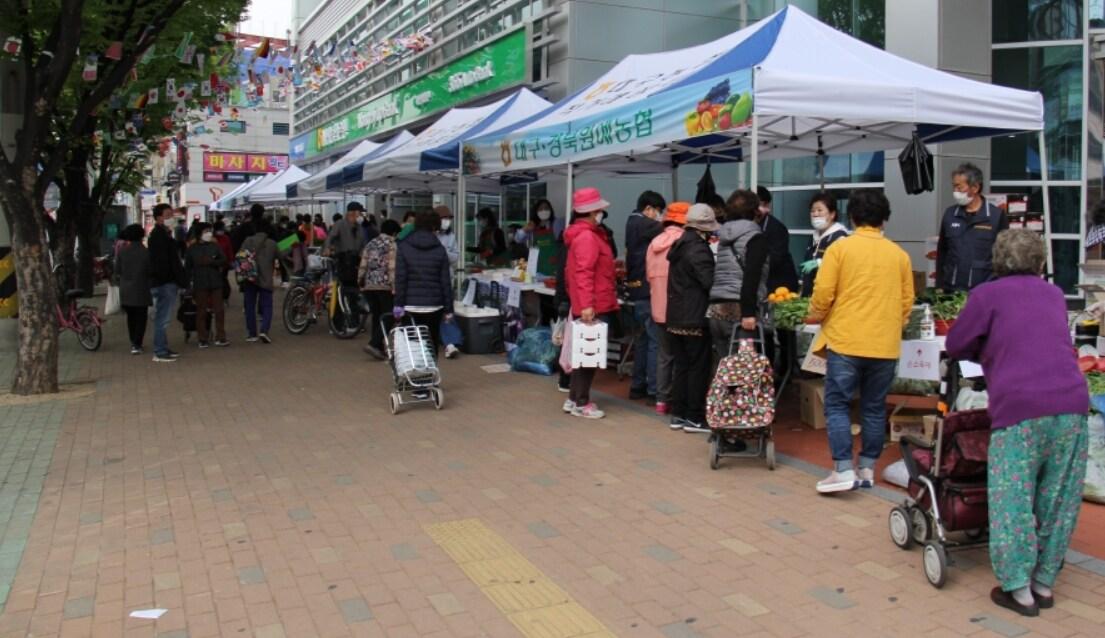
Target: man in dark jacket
(641, 228)
(242, 232)
(690, 278)
(964, 254)
(423, 281)
(205, 262)
(166, 276)
(781, 271)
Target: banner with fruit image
(722, 104)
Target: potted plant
(946, 306)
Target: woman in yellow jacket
(862, 298)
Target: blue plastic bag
(451, 334)
(535, 352)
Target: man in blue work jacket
(964, 255)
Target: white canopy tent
(275, 190)
(431, 161)
(241, 197)
(787, 86)
(314, 184)
(224, 203)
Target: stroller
(947, 489)
(740, 406)
(414, 371)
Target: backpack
(742, 394)
(245, 266)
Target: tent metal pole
(754, 168)
(460, 232)
(821, 169)
(1047, 203)
(675, 182)
(568, 196)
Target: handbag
(917, 167)
(451, 334)
(112, 304)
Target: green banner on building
(498, 65)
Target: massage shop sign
(619, 117)
(234, 167)
(496, 66)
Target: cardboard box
(812, 402)
(930, 422)
(904, 423)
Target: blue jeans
(873, 378)
(644, 352)
(164, 298)
(257, 295)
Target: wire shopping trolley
(414, 369)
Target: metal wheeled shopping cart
(414, 369)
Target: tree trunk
(36, 366)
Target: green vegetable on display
(1096, 381)
(791, 314)
(946, 306)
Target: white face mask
(819, 223)
(962, 198)
(600, 217)
(206, 236)
(544, 214)
(446, 224)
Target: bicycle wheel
(346, 322)
(88, 330)
(297, 310)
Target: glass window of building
(1037, 20)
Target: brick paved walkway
(266, 491)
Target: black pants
(432, 320)
(690, 376)
(380, 303)
(136, 323)
(580, 385)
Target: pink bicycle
(83, 320)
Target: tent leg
(568, 198)
(461, 230)
(754, 168)
(675, 183)
(1047, 203)
(821, 170)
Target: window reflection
(1035, 20)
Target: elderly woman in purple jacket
(1016, 327)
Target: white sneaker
(866, 477)
(589, 411)
(451, 351)
(837, 482)
(569, 406)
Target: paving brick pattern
(266, 491)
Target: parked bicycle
(82, 320)
(316, 295)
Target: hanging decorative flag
(120, 135)
(13, 45)
(148, 55)
(115, 102)
(205, 88)
(130, 129)
(114, 51)
(225, 58)
(141, 101)
(180, 111)
(170, 87)
(214, 80)
(200, 58)
(225, 37)
(263, 49)
(134, 74)
(189, 53)
(182, 48)
(167, 123)
(152, 95)
(90, 67)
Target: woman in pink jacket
(589, 278)
(656, 264)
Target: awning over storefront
(788, 85)
(431, 161)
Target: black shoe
(1005, 599)
(264, 337)
(635, 394)
(375, 352)
(694, 427)
(221, 343)
(173, 355)
(203, 345)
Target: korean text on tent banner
(633, 121)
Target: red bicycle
(306, 302)
(83, 320)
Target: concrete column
(953, 36)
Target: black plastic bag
(706, 188)
(916, 163)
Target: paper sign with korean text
(919, 360)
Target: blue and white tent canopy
(275, 190)
(431, 160)
(316, 184)
(242, 197)
(806, 86)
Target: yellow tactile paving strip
(530, 599)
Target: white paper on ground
(495, 368)
(151, 614)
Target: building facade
(1044, 45)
